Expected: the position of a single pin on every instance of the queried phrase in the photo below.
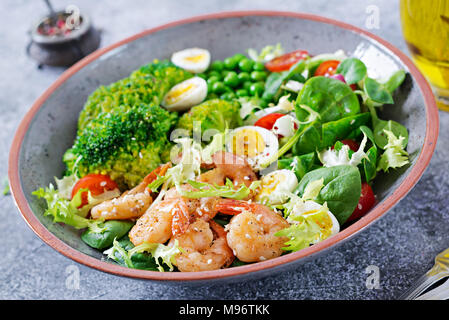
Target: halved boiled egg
(185, 94)
(320, 214)
(195, 60)
(276, 186)
(255, 144)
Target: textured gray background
(402, 244)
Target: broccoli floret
(122, 131)
(213, 114)
(125, 144)
(146, 85)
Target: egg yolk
(195, 58)
(248, 143)
(322, 219)
(175, 95)
(269, 184)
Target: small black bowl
(62, 48)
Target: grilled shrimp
(131, 204)
(161, 221)
(204, 247)
(251, 231)
(229, 165)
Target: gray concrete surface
(402, 244)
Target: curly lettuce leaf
(332, 158)
(301, 234)
(226, 191)
(65, 211)
(267, 53)
(158, 251)
(394, 155)
(158, 255)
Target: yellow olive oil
(425, 25)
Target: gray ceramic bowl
(49, 127)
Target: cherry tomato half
(353, 145)
(327, 68)
(366, 202)
(285, 61)
(268, 121)
(96, 183)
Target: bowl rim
(431, 135)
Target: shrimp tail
(232, 207)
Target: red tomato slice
(96, 183)
(284, 62)
(327, 68)
(366, 202)
(268, 121)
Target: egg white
(309, 207)
(185, 94)
(195, 60)
(276, 186)
(270, 141)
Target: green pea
(227, 96)
(242, 93)
(202, 75)
(213, 79)
(224, 73)
(239, 57)
(230, 63)
(218, 87)
(247, 85)
(244, 76)
(231, 79)
(214, 73)
(246, 65)
(217, 65)
(256, 89)
(259, 66)
(258, 75)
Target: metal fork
(439, 271)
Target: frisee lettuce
(65, 211)
(266, 54)
(394, 155)
(157, 251)
(332, 158)
(226, 191)
(301, 234)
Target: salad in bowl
(193, 165)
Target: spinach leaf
(319, 136)
(390, 125)
(309, 141)
(331, 98)
(137, 260)
(112, 229)
(370, 165)
(352, 69)
(300, 165)
(377, 92)
(340, 129)
(275, 79)
(341, 191)
(395, 81)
